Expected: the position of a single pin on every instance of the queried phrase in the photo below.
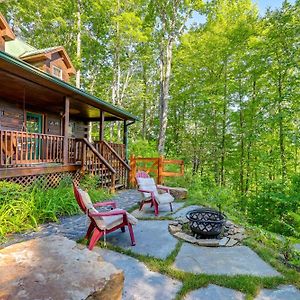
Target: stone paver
(152, 238)
(224, 261)
(214, 292)
(140, 282)
(127, 198)
(55, 267)
(283, 292)
(164, 210)
(73, 227)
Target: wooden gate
(155, 167)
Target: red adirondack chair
(103, 222)
(147, 186)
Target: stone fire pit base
(232, 236)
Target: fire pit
(206, 222)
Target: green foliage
(90, 183)
(275, 208)
(24, 208)
(143, 148)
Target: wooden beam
(101, 128)
(125, 140)
(36, 170)
(66, 131)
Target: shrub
(272, 208)
(24, 208)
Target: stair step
(119, 186)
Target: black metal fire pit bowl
(206, 222)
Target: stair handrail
(94, 150)
(117, 155)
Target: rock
(282, 292)
(186, 237)
(174, 223)
(238, 236)
(231, 242)
(223, 241)
(178, 193)
(208, 242)
(55, 268)
(214, 292)
(222, 261)
(173, 229)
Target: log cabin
(44, 120)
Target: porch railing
(94, 163)
(22, 148)
(115, 160)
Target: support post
(101, 127)
(66, 131)
(125, 140)
(132, 173)
(160, 170)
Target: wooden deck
(30, 154)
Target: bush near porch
(24, 208)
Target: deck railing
(94, 163)
(21, 148)
(115, 160)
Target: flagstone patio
(239, 260)
(153, 239)
(214, 292)
(140, 282)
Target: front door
(34, 124)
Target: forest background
(221, 93)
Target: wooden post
(101, 128)
(66, 131)
(125, 140)
(160, 170)
(132, 170)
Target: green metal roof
(38, 51)
(18, 47)
(70, 89)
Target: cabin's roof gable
(5, 30)
(46, 52)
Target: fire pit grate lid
(206, 221)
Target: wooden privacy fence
(155, 166)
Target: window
(57, 72)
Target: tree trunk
(281, 130)
(165, 73)
(78, 50)
(242, 158)
(249, 146)
(222, 171)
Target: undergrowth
(24, 208)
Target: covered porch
(44, 124)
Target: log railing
(156, 167)
(19, 148)
(119, 148)
(94, 163)
(116, 161)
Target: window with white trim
(57, 72)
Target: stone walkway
(73, 227)
(153, 239)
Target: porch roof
(20, 80)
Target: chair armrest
(164, 188)
(109, 213)
(108, 203)
(145, 191)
